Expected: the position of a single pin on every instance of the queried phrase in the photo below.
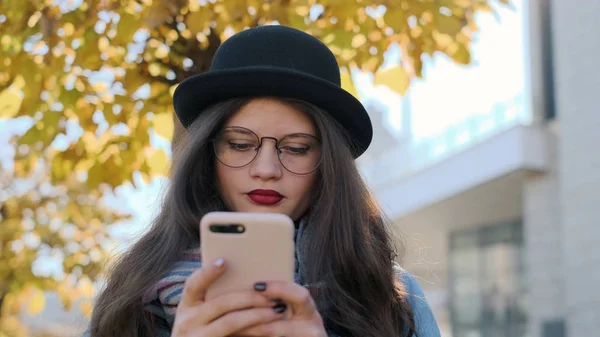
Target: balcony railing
(413, 156)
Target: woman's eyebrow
(295, 133)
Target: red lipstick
(265, 197)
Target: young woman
(269, 129)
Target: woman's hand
(305, 320)
(221, 316)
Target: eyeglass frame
(260, 143)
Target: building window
(488, 297)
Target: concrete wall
(542, 240)
(576, 46)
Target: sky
(447, 95)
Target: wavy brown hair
(352, 251)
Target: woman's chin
(260, 209)
(256, 208)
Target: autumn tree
(107, 69)
(42, 222)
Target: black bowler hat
(275, 61)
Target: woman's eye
(295, 150)
(241, 146)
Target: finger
(295, 295)
(284, 328)
(232, 322)
(219, 306)
(196, 285)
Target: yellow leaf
(37, 302)
(87, 55)
(158, 163)
(172, 89)
(294, 19)
(91, 141)
(157, 15)
(154, 69)
(172, 35)
(193, 5)
(358, 40)
(395, 78)
(197, 21)
(375, 35)
(20, 82)
(346, 11)
(302, 10)
(86, 287)
(103, 44)
(395, 18)
(33, 20)
(95, 176)
(25, 166)
(10, 103)
(13, 326)
(163, 125)
(100, 87)
(348, 54)
(450, 25)
(443, 40)
(128, 25)
(161, 51)
(69, 29)
(371, 64)
(86, 308)
(11, 305)
(461, 54)
(347, 83)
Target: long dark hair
(352, 251)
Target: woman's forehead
(267, 116)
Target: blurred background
(485, 155)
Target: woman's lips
(265, 197)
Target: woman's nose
(266, 165)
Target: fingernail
(219, 262)
(279, 308)
(260, 286)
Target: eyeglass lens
(238, 147)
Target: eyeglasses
(237, 147)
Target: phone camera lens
(228, 229)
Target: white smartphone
(257, 247)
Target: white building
(501, 212)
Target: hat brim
(198, 92)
